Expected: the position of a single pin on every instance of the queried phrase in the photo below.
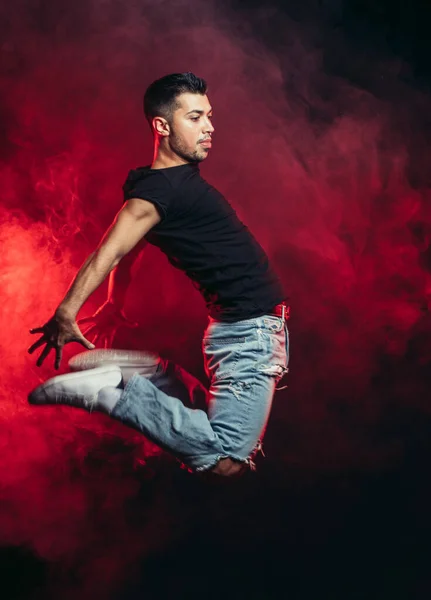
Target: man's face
(191, 128)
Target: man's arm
(109, 317)
(131, 224)
(134, 220)
(120, 277)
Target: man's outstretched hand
(105, 323)
(57, 332)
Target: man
(245, 344)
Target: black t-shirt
(201, 234)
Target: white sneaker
(130, 361)
(78, 389)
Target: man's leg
(183, 431)
(164, 419)
(166, 375)
(243, 360)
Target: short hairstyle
(160, 99)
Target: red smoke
(329, 198)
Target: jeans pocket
(221, 355)
(273, 324)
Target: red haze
(329, 199)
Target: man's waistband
(281, 310)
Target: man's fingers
(36, 345)
(37, 330)
(96, 338)
(44, 354)
(85, 320)
(86, 343)
(123, 320)
(90, 330)
(58, 354)
(109, 339)
(102, 341)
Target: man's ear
(161, 126)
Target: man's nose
(209, 127)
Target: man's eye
(194, 118)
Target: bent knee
(226, 467)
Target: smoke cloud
(332, 177)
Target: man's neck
(163, 159)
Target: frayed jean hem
(214, 463)
(249, 461)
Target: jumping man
(245, 344)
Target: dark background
(322, 115)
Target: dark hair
(160, 99)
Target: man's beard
(180, 149)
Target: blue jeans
(244, 362)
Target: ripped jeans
(244, 362)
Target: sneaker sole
(128, 359)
